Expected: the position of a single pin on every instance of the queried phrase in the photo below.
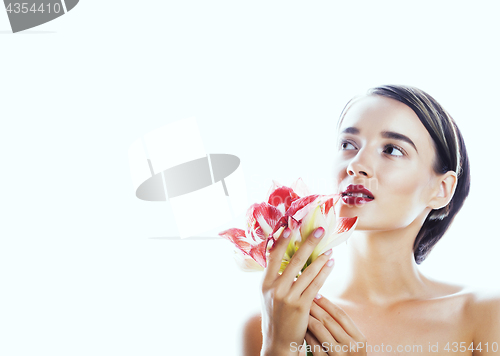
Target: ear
(447, 183)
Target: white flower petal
(334, 240)
(246, 263)
(300, 188)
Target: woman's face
(384, 147)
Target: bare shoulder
(483, 313)
(485, 308)
(472, 296)
(252, 335)
(477, 302)
(485, 300)
(480, 303)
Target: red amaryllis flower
(291, 207)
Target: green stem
(309, 353)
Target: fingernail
(318, 296)
(319, 231)
(330, 262)
(328, 252)
(286, 233)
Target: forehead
(373, 114)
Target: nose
(359, 165)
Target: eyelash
(390, 145)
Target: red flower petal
(258, 253)
(299, 204)
(273, 187)
(282, 222)
(265, 213)
(329, 204)
(282, 195)
(344, 224)
(296, 205)
(237, 236)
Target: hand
(333, 331)
(286, 302)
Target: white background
(85, 266)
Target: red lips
(355, 200)
(358, 188)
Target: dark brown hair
(451, 155)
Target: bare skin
(448, 324)
(385, 299)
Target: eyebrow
(385, 134)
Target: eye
(391, 148)
(345, 144)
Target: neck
(383, 269)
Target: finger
(333, 327)
(301, 255)
(314, 344)
(313, 288)
(341, 317)
(309, 274)
(320, 333)
(276, 256)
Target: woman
(401, 166)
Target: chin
(346, 211)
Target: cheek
(338, 174)
(405, 181)
(403, 185)
(406, 192)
